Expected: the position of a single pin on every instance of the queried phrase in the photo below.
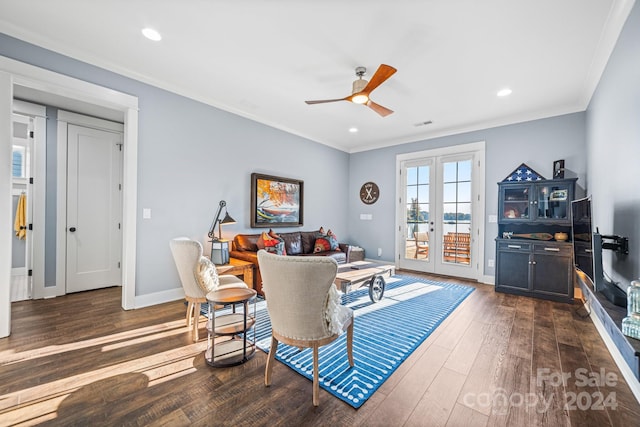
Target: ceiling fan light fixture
(362, 88)
(359, 85)
(359, 98)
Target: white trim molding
(15, 73)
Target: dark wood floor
(497, 360)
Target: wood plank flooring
(497, 360)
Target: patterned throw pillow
(325, 242)
(273, 235)
(260, 243)
(270, 244)
(207, 275)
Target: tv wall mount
(619, 245)
(615, 243)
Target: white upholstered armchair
(304, 306)
(198, 276)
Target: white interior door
(21, 259)
(440, 213)
(93, 208)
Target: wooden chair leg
(189, 313)
(350, 343)
(316, 382)
(270, 361)
(196, 318)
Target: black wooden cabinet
(527, 261)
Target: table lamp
(219, 247)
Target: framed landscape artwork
(276, 201)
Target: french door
(440, 212)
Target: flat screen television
(587, 248)
(582, 233)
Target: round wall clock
(369, 193)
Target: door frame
(66, 118)
(39, 80)
(37, 191)
(478, 189)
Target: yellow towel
(20, 223)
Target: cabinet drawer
(514, 246)
(546, 248)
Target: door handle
(72, 229)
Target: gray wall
(537, 143)
(613, 140)
(191, 156)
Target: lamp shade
(227, 219)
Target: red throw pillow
(270, 244)
(321, 245)
(325, 242)
(264, 241)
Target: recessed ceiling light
(151, 34)
(353, 130)
(504, 92)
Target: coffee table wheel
(376, 288)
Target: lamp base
(220, 252)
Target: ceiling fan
(362, 89)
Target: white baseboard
(488, 280)
(140, 301)
(159, 298)
(627, 373)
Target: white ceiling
(262, 59)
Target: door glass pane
(516, 203)
(18, 164)
(417, 207)
(456, 212)
(553, 201)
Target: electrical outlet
(491, 263)
(379, 251)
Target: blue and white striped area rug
(385, 334)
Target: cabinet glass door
(553, 202)
(516, 203)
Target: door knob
(72, 229)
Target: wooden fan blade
(383, 111)
(383, 72)
(322, 101)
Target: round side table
(227, 343)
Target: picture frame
(558, 169)
(276, 201)
(559, 195)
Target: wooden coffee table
(238, 267)
(364, 273)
